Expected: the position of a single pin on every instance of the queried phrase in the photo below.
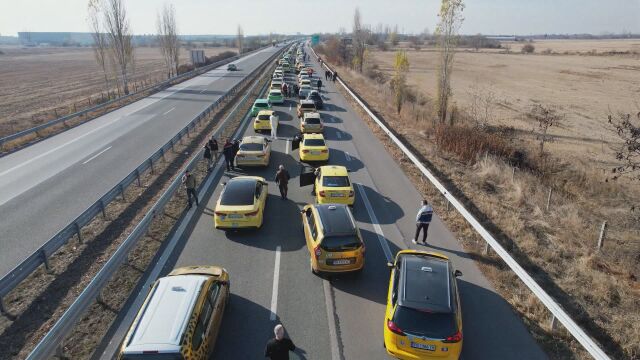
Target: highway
(341, 316)
(45, 186)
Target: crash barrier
(555, 308)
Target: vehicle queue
(181, 316)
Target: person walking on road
(273, 122)
(189, 182)
(335, 75)
(208, 156)
(319, 85)
(284, 90)
(278, 348)
(282, 179)
(423, 219)
(227, 151)
(213, 145)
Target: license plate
(315, 152)
(249, 158)
(423, 346)
(234, 216)
(341, 262)
(337, 195)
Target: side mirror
(457, 273)
(224, 184)
(390, 265)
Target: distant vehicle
(254, 151)
(311, 121)
(313, 148)
(232, 67)
(333, 239)
(260, 104)
(305, 106)
(275, 96)
(316, 98)
(423, 317)
(180, 319)
(242, 203)
(304, 91)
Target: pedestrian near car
(236, 147)
(227, 151)
(319, 84)
(273, 122)
(213, 145)
(423, 219)
(282, 179)
(189, 182)
(284, 90)
(278, 348)
(208, 156)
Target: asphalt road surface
(342, 316)
(45, 186)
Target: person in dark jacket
(213, 145)
(236, 147)
(189, 182)
(319, 84)
(208, 156)
(228, 153)
(282, 179)
(278, 348)
(335, 75)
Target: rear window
(312, 121)
(260, 104)
(338, 243)
(335, 181)
(314, 142)
(263, 117)
(424, 323)
(275, 93)
(308, 106)
(251, 147)
(238, 193)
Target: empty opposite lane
(45, 186)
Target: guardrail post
(486, 248)
(102, 208)
(162, 154)
(603, 233)
(122, 192)
(448, 202)
(45, 261)
(78, 232)
(552, 323)
(138, 177)
(153, 171)
(3, 309)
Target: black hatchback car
(316, 98)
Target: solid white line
(170, 110)
(287, 149)
(346, 156)
(333, 334)
(338, 135)
(274, 293)
(374, 222)
(96, 155)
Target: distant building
(30, 38)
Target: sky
(520, 17)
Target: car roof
(312, 115)
(166, 314)
(334, 170)
(275, 91)
(308, 102)
(425, 283)
(253, 139)
(266, 112)
(313, 136)
(336, 219)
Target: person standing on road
(423, 219)
(227, 151)
(278, 348)
(282, 179)
(189, 182)
(273, 122)
(213, 145)
(319, 85)
(284, 90)
(335, 75)
(208, 156)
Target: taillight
(305, 151)
(394, 328)
(324, 151)
(321, 193)
(457, 337)
(351, 193)
(317, 252)
(253, 213)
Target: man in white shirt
(423, 219)
(273, 121)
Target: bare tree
(240, 39)
(358, 41)
(546, 117)
(100, 41)
(119, 34)
(168, 39)
(447, 31)
(627, 127)
(482, 104)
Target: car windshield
(251, 147)
(425, 323)
(335, 181)
(238, 193)
(314, 142)
(275, 93)
(263, 117)
(312, 121)
(337, 243)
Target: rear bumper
(232, 225)
(264, 162)
(310, 157)
(336, 200)
(323, 268)
(393, 350)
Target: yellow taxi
(311, 121)
(313, 148)
(262, 122)
(241, 203)
(332, 238)
(254, 151)
(181, 316)
(305, 106)
(423, 318)
(333, 186)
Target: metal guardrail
(158, 86)
(42, 254)
(52, 341)
(556, 310)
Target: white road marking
(170, 110)
(374, 222)
(346, 156)
(274, 293)
(289, 107)
(96, 155)
(338, 134)
(287, 148)
(203, 90)
(333, 334)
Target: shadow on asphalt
(331, 133)
(200, 92)
(387, 211)
(330, 119)
(333, 107)
(337, 156)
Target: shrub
(223, 55)
(184, 68)
(469, 143)
(528, 49)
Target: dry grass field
(585, 89)
(36, 80)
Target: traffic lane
(389, 178)
(61, 197)
(249, 257)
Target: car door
(267, 148)
(311, 230)
(214, 296)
